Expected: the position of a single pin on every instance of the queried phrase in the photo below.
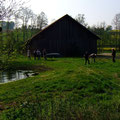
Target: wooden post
(0, 29)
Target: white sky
(95, 11)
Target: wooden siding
(67, 37)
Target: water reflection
(6, 76)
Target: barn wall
(65, 37)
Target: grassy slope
(69, 89)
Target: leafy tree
(7, 39)
(81, 19)
(42, 20)
(104, 32)
(116, 24)
(33, 24)
(116, 21)
(25, 15)
(109, 28)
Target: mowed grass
(65, 89)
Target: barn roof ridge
(66, 15)
(82, 26)
(49, 25)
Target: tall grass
(66, 90)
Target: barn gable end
(65, 36)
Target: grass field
(65, 89)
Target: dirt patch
(106, 55)
(38, 68)
(117, 76)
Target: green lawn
(65, 89)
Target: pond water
(7, 76)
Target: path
(106, 55)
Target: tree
(25, 15)
(116, 24)
(7, 41)
(104, 32)
(116, 21)
(81, 19)
(33, 20)
(109, 28)
(9, 7)
(33, 25)
(42, 20)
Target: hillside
(64, 89)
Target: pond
(7, 76)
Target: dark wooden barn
(65, 36)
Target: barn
(65, 36)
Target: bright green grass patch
(68, 89)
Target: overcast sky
(95, 11)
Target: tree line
(26, 24)
(109, 34)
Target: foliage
(109, 37)
(42, 21)
(9, 7)
(12, 43)
(81, 19)
(116, 21)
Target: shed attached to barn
(65, 36)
